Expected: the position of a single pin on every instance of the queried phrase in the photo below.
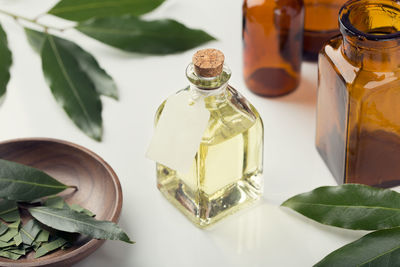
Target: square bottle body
(226, 174)
(358, 118)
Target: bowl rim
(88, 248)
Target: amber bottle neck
(371, 34)
(377, 59)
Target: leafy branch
(357, 207)
(35, 21)
(74, 76)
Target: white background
(264, 235)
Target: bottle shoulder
(228, 118)
(234, 116)
(332, 59)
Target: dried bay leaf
(24, 183)
(29, 232)
(19, 251)
(7, 244)
(48, 247)
(55, 202)
(36, 246)
(3, 228)
(43, 236)
(81, 209)
(9, 210)
(59, 203)
(9, 255)
(66, 246)
(75, 222)
(7, 236)
(18, 239)
(15, 225)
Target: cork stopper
(208, 62)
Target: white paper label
(179, 132)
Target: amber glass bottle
(320, 25)
(358, 124)
(272, 45)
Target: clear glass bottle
(320, 25)
(226, 174)
(272, 45)
(358, 122)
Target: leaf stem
(74, 187)
(33, 21)
(39, 16)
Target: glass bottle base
(203, 209)
(272, 82)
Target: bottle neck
(216, 95)
(382, 58)
(212, 89)
(371, 34)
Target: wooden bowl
(99, 189)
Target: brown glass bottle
(272, 45)
(320, 25)
(358, 122)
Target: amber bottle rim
(347, 27)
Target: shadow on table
(267, 232)
(305, 94)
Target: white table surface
(263, 235)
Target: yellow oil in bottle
(226, 174)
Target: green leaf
(75, 222)
(5, 62)
(103, 82)
(48, 247)
(19, 251)
(81, 209)
(3, 228)
(18, 239)
(9, 235)
(36, 39)
(7, 244)
(350, 206)
(78, 10)
(70, 237)
(15, 225)
(136, 35)
(9, 255)
(29, 232)
(71, 87)
(36, 246)
(66, 246)
(379, 248)
(43, 236)
(55, 202)
(9, 209)
(59, 203)
(23, 183)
